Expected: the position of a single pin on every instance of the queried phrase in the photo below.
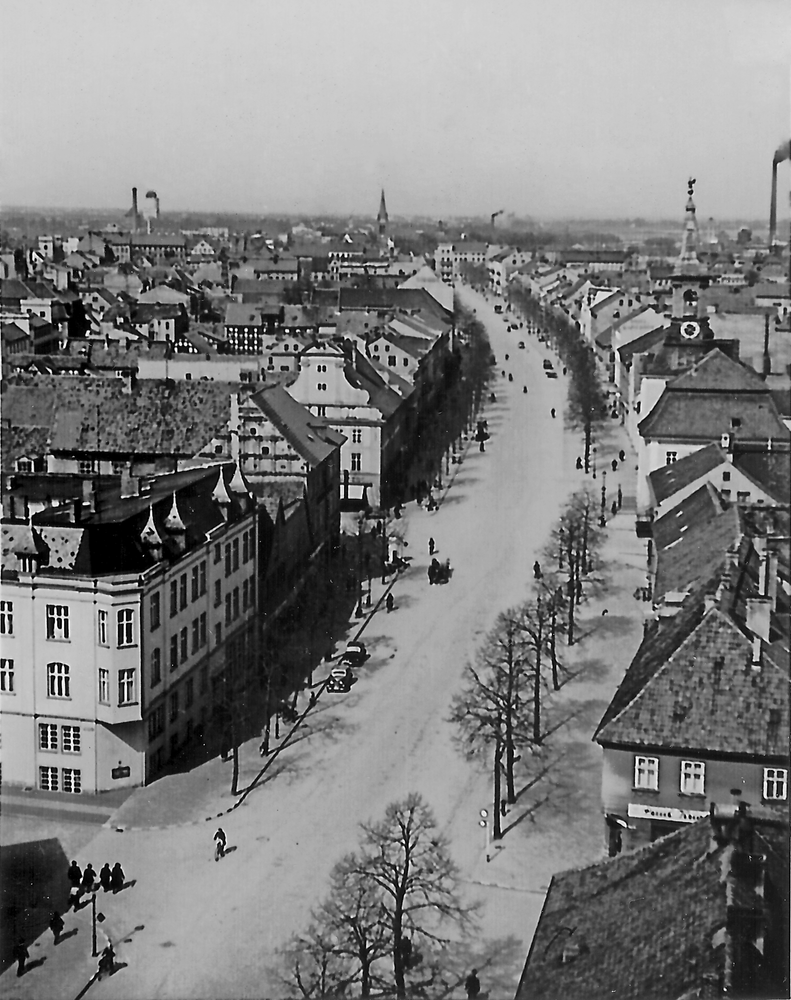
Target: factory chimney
(781, 153)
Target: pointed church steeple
(689, 322)
(382, 216)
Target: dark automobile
(340, 679)
(551, 373)
(354, 655)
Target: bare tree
(407, 860)
(314, 965)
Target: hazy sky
(542, 107)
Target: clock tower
(689, 322)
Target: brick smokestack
(781, 153)
(134, 209)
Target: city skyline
(577, 111)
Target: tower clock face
(689, 330)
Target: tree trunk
(537, 678)
(572, 595)
(497, 830)
(398, 955)
(552, 649)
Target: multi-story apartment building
(124, 621)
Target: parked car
(340, 679)
(354, 655)
(551, 373)
(547, 365)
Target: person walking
(117, 877)
(537, 570)
(56, 925)
(220, 840)
(614, 464)
(472, 985)
(88, 878)
(106, 877)
(431, 546)
(579, 462)
(620, 497)
(20, 955)
(74, 875)
(552, 411)
(614, 508)
(622, 455)
(389, 603)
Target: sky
(569, 108)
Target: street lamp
(484, 822)
(95, 918)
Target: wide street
(213, 929)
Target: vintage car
(354, 655)
(551, 373)
(340, 679)
(547, 364)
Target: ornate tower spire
(688, 262)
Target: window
(202, 578)
(57, 621)
(227, 609)
(70, 739)
(174, 652)
(174, 706)
(48, 779)
(235, 554)
(235, 603)
(104, 685)
(194, 595)
(174, 598)
(742, 496)
(102, 628)
(72, 780)
(6, 617)
(156, 723)
(670, 457)
(252, 592)
(126, 686)
(184, 644)
(357, 435)
(189, 692)
(156, 666)
(775, 783)
(202, 630)
(392, 361)
(154, 612)
(726, 494)
(646, 772)
(126, 627)
(217, 553)
(47, 736)
(217, 593)
(356, 461)
(182, 591)
(58, 680)
(321, 386)
(85, 467)
(227, 560)
(6, 676)
(245, 547)
(693, 777)
(245, 594)
(195, 635)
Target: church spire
(688, 262)
(382, 216)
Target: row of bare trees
(506, 710)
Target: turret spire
(688, 258)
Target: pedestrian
(220, 840)
(106, 962)
(20, 955)
(389, 602)
(615, 465)
(56, 925)
(88, 878)
(622, 455)
(106, 876)
(481, 447)
(431, 546)
(117, 877)
(537, 570)
(472, 984)
(552, 411)
(620, 497)
(579, 462)
(74, 874)
(614, 508)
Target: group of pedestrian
(439, 572)
(83, 882)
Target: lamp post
(594, 461)
(484, 822)
(95, 918)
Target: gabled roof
(697, 553)
(668, 480)
(703, 504)
(716, 372)
(311, 437)
(770, 470)
(667, 921)
(645, 342)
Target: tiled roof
(94, 414)
(12, 333)
(674, 477)
(716, 372)
(311, 437)
(705, 417)
(696, 554)
(649, 924)
(243, 314)
(703, 504)
(691, 687)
